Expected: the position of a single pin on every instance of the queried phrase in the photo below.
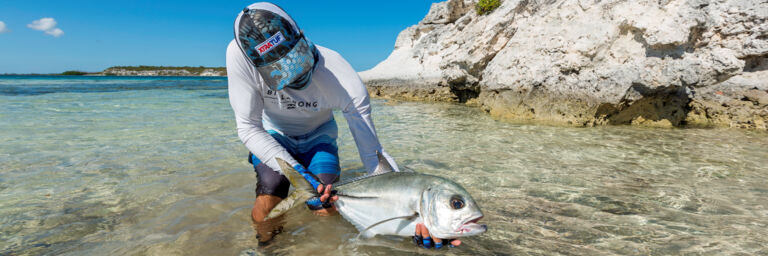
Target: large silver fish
(392, 203)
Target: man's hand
(325, 194)
(425, 240)
(326, 198)
(321, 205)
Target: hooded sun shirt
(255, 72)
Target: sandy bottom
(160, 171)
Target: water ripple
(158, 169)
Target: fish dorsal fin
(407, 217)
(403, 171)
(350, 180)
(295, 178)
(384, 166)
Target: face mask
(303, 80)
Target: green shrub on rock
(486, 6)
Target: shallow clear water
(96, 166)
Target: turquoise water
(153, 166)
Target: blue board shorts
(317, 151)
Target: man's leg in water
(318, 153)
(322, 160)
(271, 188)
(263, 205)
(266, 230)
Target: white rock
(593, 52)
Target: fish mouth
(472, 227)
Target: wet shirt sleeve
(248, 105)
(357, 111)
(358, 115)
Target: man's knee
(325, 163)
(271, 182)
(328, 178)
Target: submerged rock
(589, 62)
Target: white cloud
(43, 24)
(3, 28)
(47, 25)
(56, 32)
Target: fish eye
(457, 202)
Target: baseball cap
(275, 45)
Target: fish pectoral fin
(297, 181)
(407, 217)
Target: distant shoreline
(102, 76)
(158, 71)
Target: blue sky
(93, 35)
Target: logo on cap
(270, 43)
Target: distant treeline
(116, 70)
(74, 73)
(154, 68)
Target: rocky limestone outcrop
(589, 62)
(211, 72)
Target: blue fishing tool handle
(314, 203)
(308, 176)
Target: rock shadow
(665, 107)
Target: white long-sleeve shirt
(334, 85)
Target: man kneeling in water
(282, 89)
